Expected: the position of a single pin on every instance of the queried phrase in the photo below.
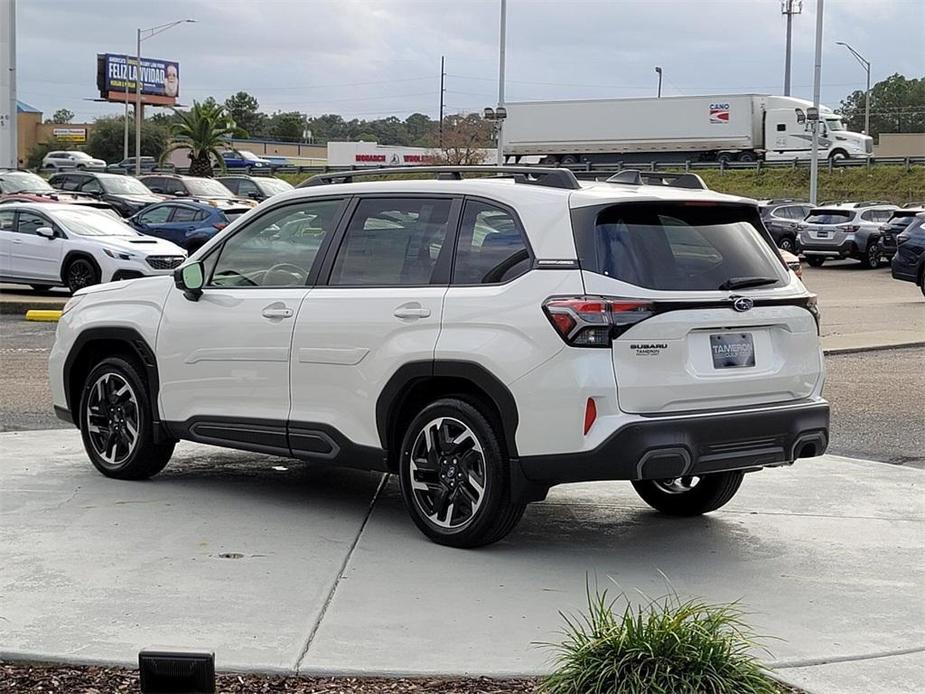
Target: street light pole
(817, 77)
(153, 31)
(500, 121)
(866, 65)
(659, 71)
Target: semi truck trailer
(730, 127)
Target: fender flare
(71, 255)
(390, 398)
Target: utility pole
(659, 71)
(789, 8)
(817, 78)
(442, 93)
(501, 109)
(9, 143)
(139, 115)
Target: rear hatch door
(723, 324)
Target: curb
(43, 315)
(873, 348)
(16, 308)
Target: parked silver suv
(843, 231)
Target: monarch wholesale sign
(70, 134)
(116, 76)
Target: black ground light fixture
(176, 671)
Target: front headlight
(121, 255)
(71, 304)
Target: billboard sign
(69, 134)
(116, 75)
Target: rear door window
(185, 214)
(392, 242)
(679, 247)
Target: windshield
(124, 185)
(93, 223)
(829, 216)
(272, 186)
(24, 182)
(835, 124)
(250, 156)
(207, 188)
(680, 247)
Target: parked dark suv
(782, 219)
(896, 225)
(194, 187)
(127, 195)
(908, 263)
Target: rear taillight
(902, 237)
(850, 228)
(593, 321)
(220, 225)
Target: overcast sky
(373, 58)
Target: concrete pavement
(283, 566)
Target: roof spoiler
(634, 177)
(531, 175)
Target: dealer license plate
(732, 350)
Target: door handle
(271, 312)
(17, 241)
(415, 311)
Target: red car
(23, 186)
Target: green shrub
(667, 646)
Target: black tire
(135, 457)
(748, 156)
(568, 160)
(922, 283)
(815, 260)
(787, 243)
(725, 157)
(871, 259)
(708, 494)
(80, 273)
(838, 155)
(495, 514)
(40, 287)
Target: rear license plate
(822, 234)
(732, 350)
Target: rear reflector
(590, 415)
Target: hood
(141, 245)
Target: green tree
(205, 130)
(897, 105)
(40, 149)
(244, 109)
(107, 139)
(62, 116)
(286, 126)
(328, 127)
(420, 129)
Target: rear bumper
(841, 250)
(668, 447)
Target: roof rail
(532, 175)
(651, 178)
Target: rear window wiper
(743, 282)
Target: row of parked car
(84, 227)
(64, 160)
(871, 232)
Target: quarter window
(392, 242)
(92, 186)
(6, 220)
(278, 248)
(491, 247)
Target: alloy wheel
(873, 256)
(448, 473)
(79, 275)
(678, 485)
(112, 419)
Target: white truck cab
(788, 135)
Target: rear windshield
(681, 247)
(829, 216)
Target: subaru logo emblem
(743, 304)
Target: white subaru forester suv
(483, 338)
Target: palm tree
(204, 130)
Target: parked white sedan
(50, 244)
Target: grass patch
(667, 646)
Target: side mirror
(190, 278)
(180, 194)
(47, 232)
(255, 194)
